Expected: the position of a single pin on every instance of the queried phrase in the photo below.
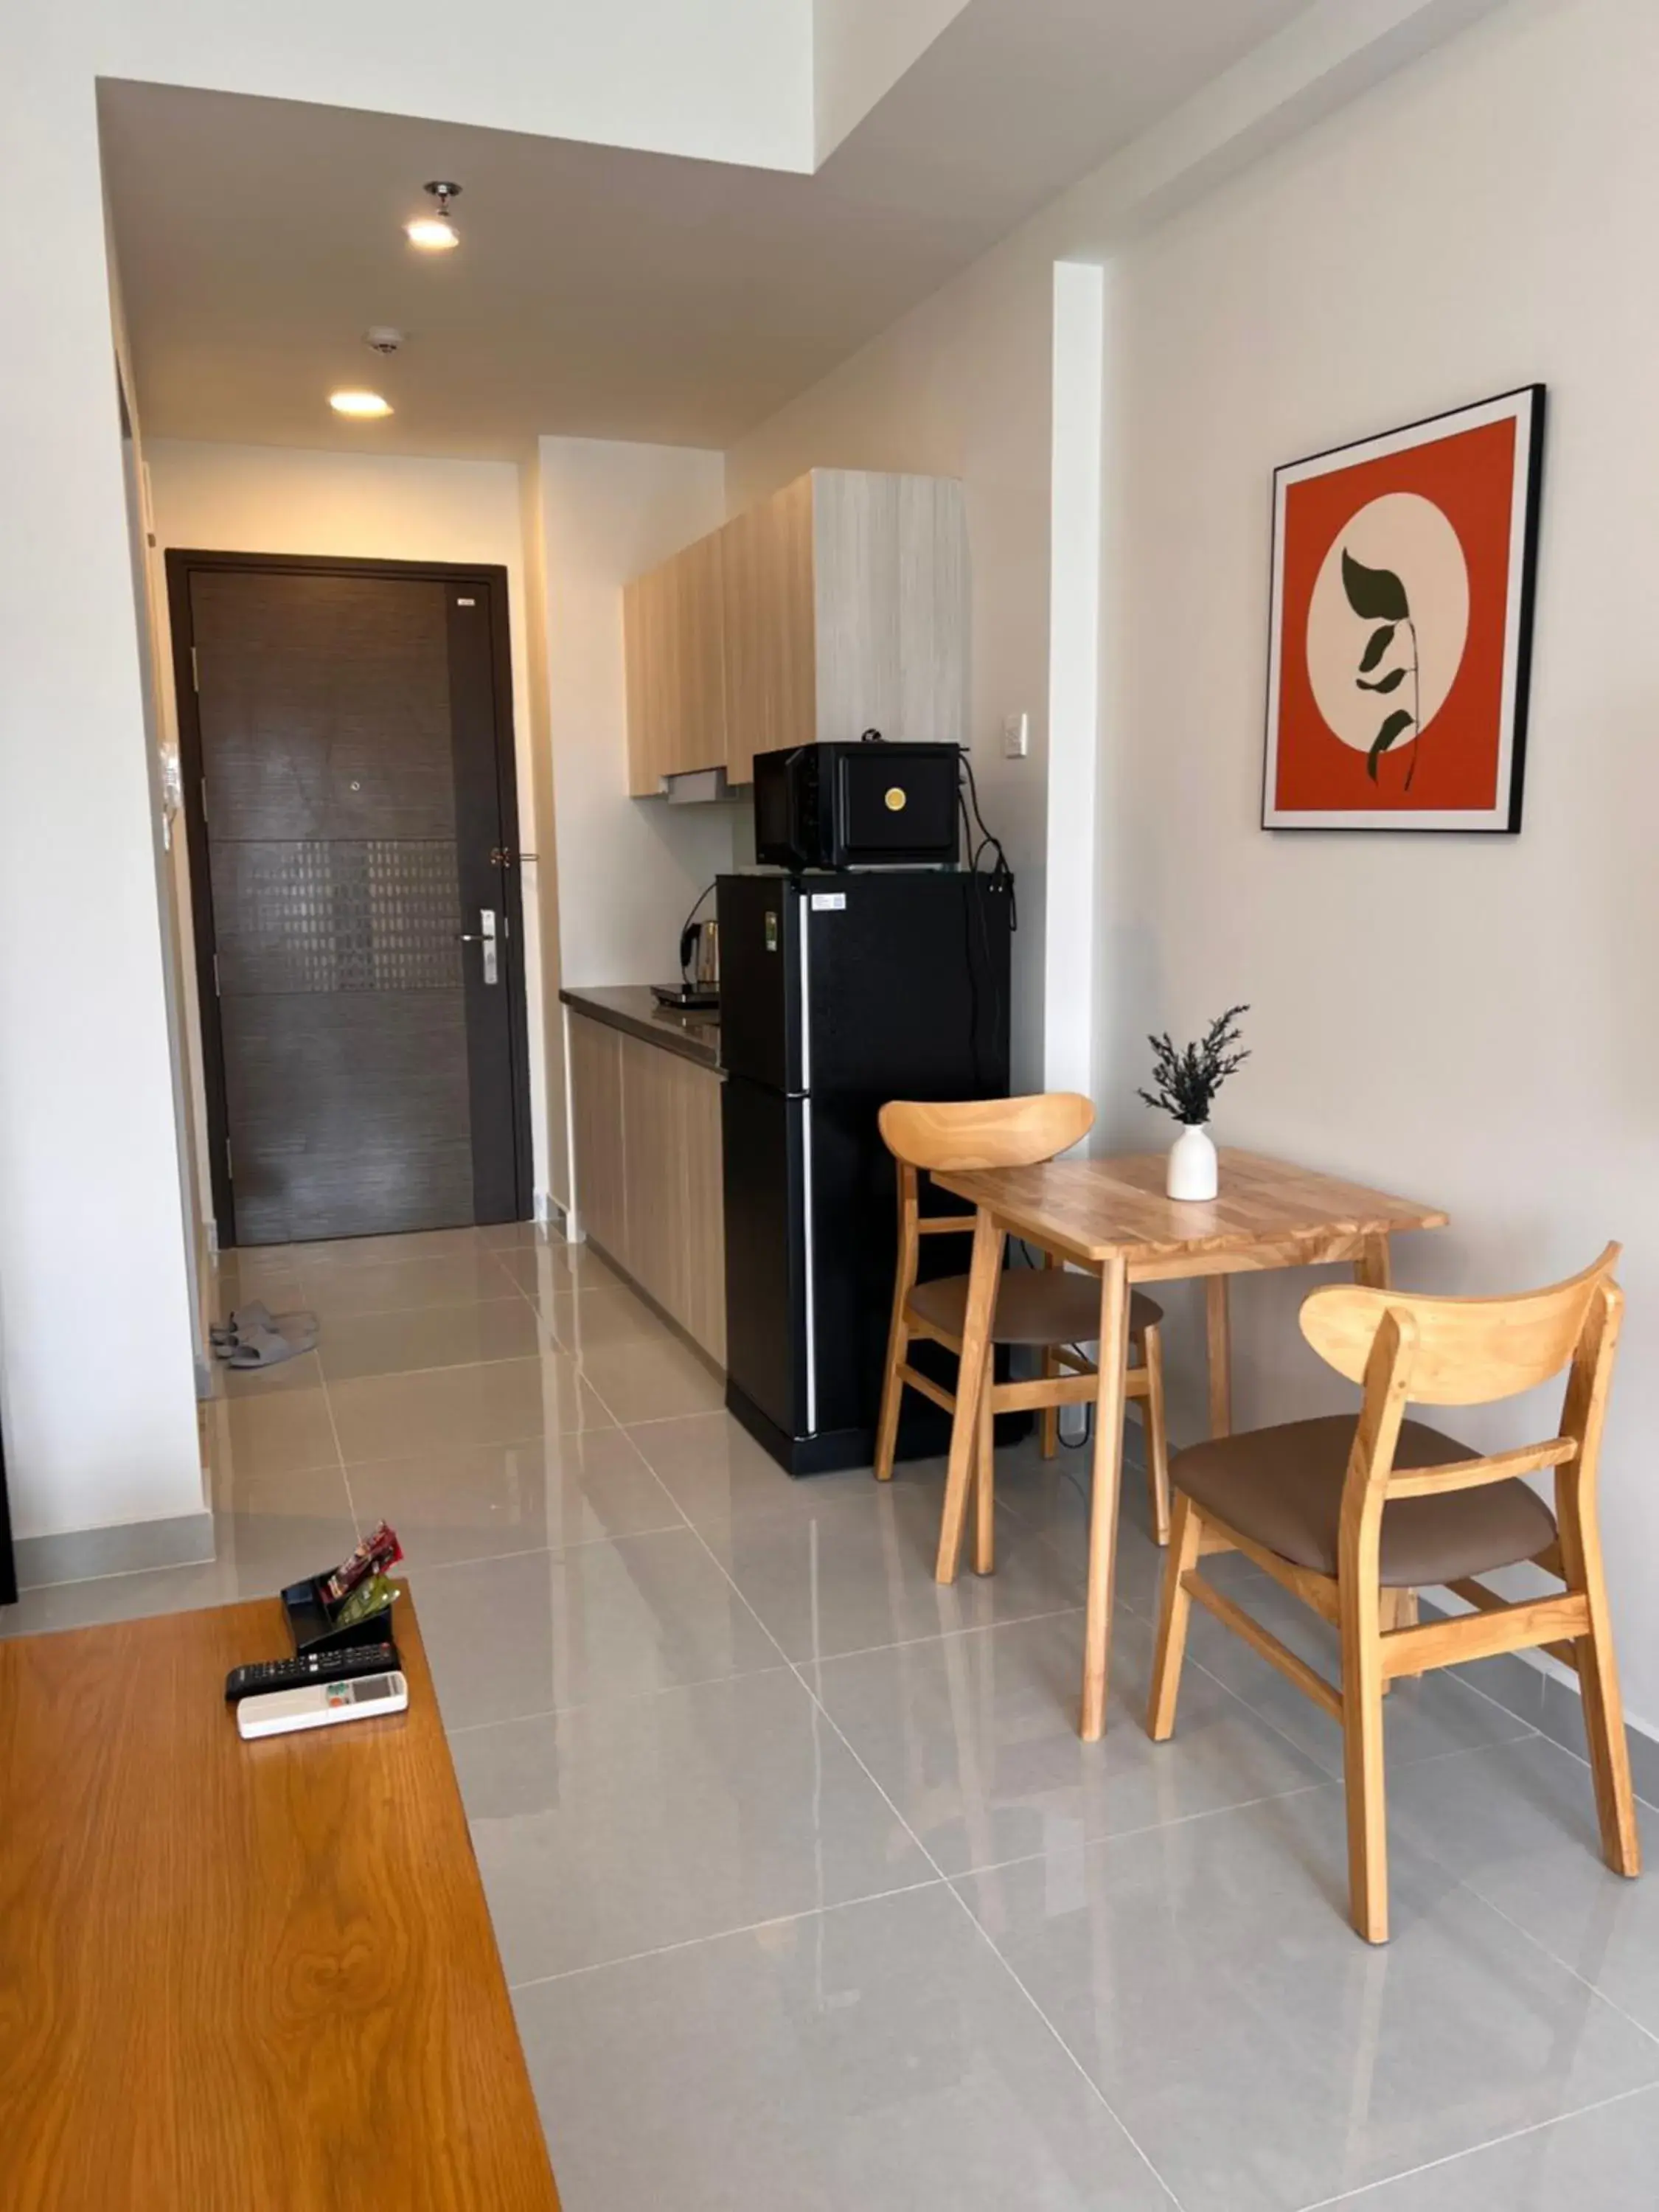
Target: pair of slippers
(255, 1337)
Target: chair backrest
(1468, 1352)
(985, 1132)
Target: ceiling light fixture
(436, 233)
(363, 403)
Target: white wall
(88, 1169)
(1466, 1020)
(629, 868)
(961, 388)
(860, 48)
(270, 499)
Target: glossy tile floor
(809, 1895)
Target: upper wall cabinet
(840, 605)
(673, 631)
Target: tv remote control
(322, 1704)
(268, 1675)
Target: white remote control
(322, 1704)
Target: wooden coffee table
(248, 1975)
(1111, 1216)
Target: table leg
(1218, 1329)
(1113, 1352)
(970, 1380)
(1373, 1267)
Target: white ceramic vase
(1192, 1170)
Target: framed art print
(1402, 599)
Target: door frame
(181, 563)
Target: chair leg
(1186, 1535)
(1157, 1435)
(1362, 1761)
(1050, 1414)
(985, 1539)
(1604, 1711)
(892, 1393)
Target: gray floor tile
(876, 2056)
(1423, 1718)
(974, 1738)
(1261, 2054)
(277, 1528)
(608, 1314)
(546, 1266)
(313, 1261)
(458, 1278)
(859, 1572)
(452, 1408)
(652, 1379)
(421, 1337)
(495, 1499)
(1603, 2160)
(546, 1630)
(1517, 1823)
(717, 1472)
(651, 1820)
(272, 1433)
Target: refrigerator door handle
(802, 909)
(809, 1302)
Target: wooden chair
(1051, 1309)
(1352, 1519)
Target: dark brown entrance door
(346, 735)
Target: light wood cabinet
(646, 1124)
(838, 605)
(673, 635)
(771, 628)
(597, 1130)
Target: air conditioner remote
(322, 1706)
(266, 1675)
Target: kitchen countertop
(631, 1008)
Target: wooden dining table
(1111, 1216)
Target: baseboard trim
(85, 1554)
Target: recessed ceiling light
(436, 233)
(359, 402)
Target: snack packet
(369, 1597)
(377, 1551)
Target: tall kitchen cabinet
(840, 605)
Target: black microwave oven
(836, 806)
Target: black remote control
(268, 1674)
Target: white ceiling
(600, 292)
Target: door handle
(484, 934)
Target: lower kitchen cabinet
(646, 1128)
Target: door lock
(484, 934)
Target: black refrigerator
(838, 992)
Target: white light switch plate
(1016, 735)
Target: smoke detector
(381, 338)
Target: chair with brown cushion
(1050, 1309)
(1352, 1518)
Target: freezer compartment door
(766, 1270)
(908, 986)
(759, 979)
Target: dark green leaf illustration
(1378, 644)
(1375, 594)
(1391, 682)
(1399, 720)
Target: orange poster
(1402, 597)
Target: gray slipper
(258, 1346)
(299, 1330)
